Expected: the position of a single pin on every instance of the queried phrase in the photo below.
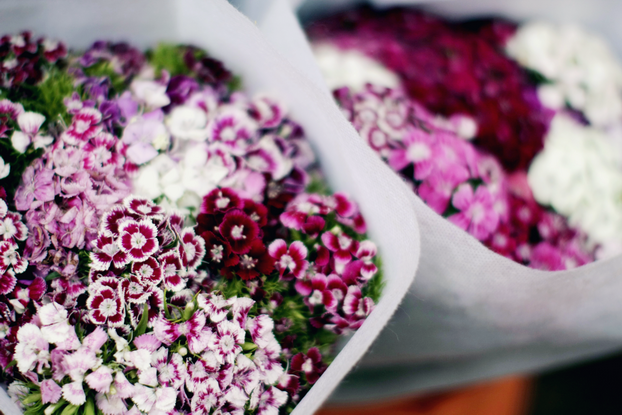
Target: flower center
(216, 252)
(418, 152)
(237, 232)
(82, 126)
(288, 262)
(108, 307)
(227, 343)
(307, 367)
(344, 242)
(228, 134)
(315, 298)
(138, 240)
(145, 271)
(248, 262)
(222, 202)
(191, 250)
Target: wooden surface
(509, 396)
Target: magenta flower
(322, 290)
(418, 151)
(36, 185)
(107, 253)
(138, 239)
(356, 306)
(143, 208)
(170, 264)
(310, 364)
(99, 154)
(171, 371)
(194, 330)
(191, 249)
(477, 212)
(105, 303)
(290, 259)
(342, 247)
(226, 342)
(149, 271)
(84, 126)
(9, 257)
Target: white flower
(5, 169)
(580, 66)
(351, 68)
(188, 123)
(31, 348)
(29, 124)
(579, 174)
(150, 92)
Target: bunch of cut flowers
(168, 245)
(512, 132)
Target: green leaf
(32, 398)
(70, 410)
(142, 324)
(89, 408)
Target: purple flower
(36, 185)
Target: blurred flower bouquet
(168, 244)
(511, 132)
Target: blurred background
(585, 389)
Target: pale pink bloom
(95, 340)
(148, 399)
(74, 393)
(50, 391)
(80, 362)
(31, 348)
(110, 404)
(37, 186)
(100, 380)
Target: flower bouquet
(509, 136)
(169, 243)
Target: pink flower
(158, 400)
(37, 185)
(143, 208)
(342, 247)
(322, 290)
(74, 393)
(99, 154)
(194, 330)
(419, 151)
(290, 259)
(191, 249)
(50, 391)
(477, 212)
(31, 348)
(100, 380)
(268, 401)
(226, 342)
(138, 239)
(357, 306)
(170, 264)
(239, 230)
(11, 226)
(84, 126)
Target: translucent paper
(348, 164)
(472, 314)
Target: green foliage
(318, 184)
(170, 58)
(376, 284)
(142, 324)
(47, 97)
(104, 69)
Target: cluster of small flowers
(201, 363)
(579, 69)
(458, 181)
(139, 253)
(234, 230)
(66, 191)
(187, 138)
(21, 58)
(451, 68)
(109, 302)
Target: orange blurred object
(508, 396)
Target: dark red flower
(256, 262)
(221, 201)
(239, 230)
(310, 364)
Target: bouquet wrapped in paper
(508, 137)
(169, 241)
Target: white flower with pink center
(138, 239)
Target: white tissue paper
(228, 35)
(472, 314)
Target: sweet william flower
(51, 392)
(37, 187)
(310, 364)
(239, 230)
(138, 239)
(289, 259)
(477, 214)
(29, 124)
(32, 350)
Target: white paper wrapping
(472, 314)
(349, 165)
